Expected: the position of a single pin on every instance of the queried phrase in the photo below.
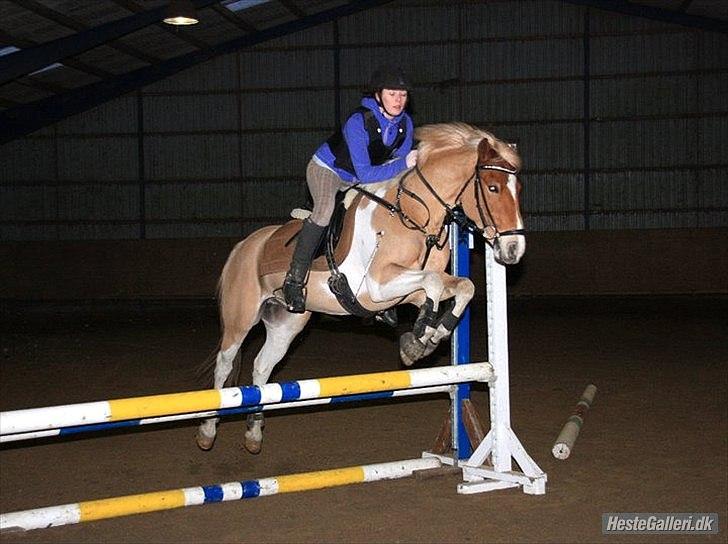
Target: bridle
(453, 214)
(480, 195)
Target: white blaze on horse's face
(510, 248)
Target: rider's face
(394, 101)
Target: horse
(394, 249)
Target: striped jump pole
(68, 514)
(225, 412)
(56, 417)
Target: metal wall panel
(556, 222)
(223, 229)
(104, 159)
(318, 35)
(547, 147)
(602, 21)
(519, 18)
(712, 190)
(713, 92)
(650, 95)
(544, 194)
(29, 159)
(28, 233)
(282, 154)
(642, 220)
(189, 157)
(358, 64)
(97, 202)
(713, 141)
(227, 142)
(643, 143)
(524, 59)
(287, 110)
(28, 203)
(643, 53)
(713, 50)
(712, 196)
(275, 69)
(436, 105)
(193, 201)
(643, 191)
(116, 116)
(199, 112)
(218, 74)
(274, 198)
(397, 23)
(536, 101)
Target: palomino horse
(395, 251)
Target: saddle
(278, 250)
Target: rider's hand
(411, 158)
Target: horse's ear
(486, 152)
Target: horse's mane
(453, 135)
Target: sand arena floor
(654, 441)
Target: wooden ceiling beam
(234, 18)
(25, 43)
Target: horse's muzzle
(510, 248)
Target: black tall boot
(308, 241)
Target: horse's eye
(493, 188)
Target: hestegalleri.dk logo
(660, 522)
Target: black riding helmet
(388, 77)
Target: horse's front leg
(437, 286)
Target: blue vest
(379, 153)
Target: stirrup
(388, 317)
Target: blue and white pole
(460, 244)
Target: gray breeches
(323, 184)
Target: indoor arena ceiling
(62, 57)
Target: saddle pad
(278, 250)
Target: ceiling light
(181, 12)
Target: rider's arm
(357, 139)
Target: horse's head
(472, 168)
(493, 202)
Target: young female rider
(375, 144)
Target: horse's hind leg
(281, 328)
(207, 430)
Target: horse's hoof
(405, 360)
(252, 446)
(204, 442)
(410, 348)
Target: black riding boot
(308, 242)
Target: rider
(375, 144)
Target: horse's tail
(238, 297)
(204, 373)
